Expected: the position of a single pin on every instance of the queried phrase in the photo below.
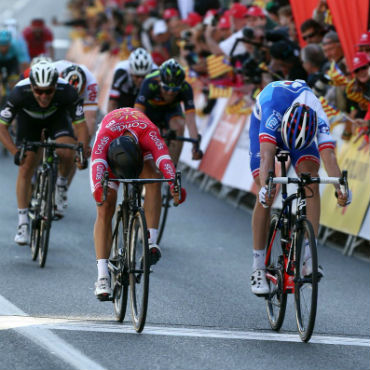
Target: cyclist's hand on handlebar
(177, 199)
(343, 199)
(17, 158)
(83, 165)
(263, 197)
(197, 154)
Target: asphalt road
(201, 314)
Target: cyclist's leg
(260, 217)
(308, 161)
(31, 131)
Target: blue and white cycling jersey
(271, 104)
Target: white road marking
(8, 322)
(37, 331)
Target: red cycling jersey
(147, 135)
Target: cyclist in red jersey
(39, 39)
(144, 138)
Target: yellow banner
(349, 219)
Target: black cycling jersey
(65, 107)
(150, 95)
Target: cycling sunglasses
(46, 91)
(306, 37)
(169, 88)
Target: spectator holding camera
(313, 60)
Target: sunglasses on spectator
(306, 37)
(361, 68)
(169, 88)
(46, 91)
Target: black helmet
(125, 158)
(75, 77)
(172, 74)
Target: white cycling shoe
(259, 283)
(60, 200)
(103, 289)
(22, 236)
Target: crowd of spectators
(258, 38)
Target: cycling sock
(62, 181)
(22, 216)
(259, 259)
(102, 268)
(153, 235)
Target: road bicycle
(168, 136)
(42, 207)
(129, 263)
(289, 234)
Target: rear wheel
(46, 215)
(306, 284)
(166, 197)
(139, 269)
(277, 299)
(118, 268)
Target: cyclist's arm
(6, 139)
(90, 118)
(191, 124)
(267, 162)
(7, 115)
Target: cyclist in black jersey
(160, 98)
(41, 101)
(128, 77)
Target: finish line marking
(16, 322)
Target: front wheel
(277, 298)
(306, 280)
(35, 216)
(139, 269)
(46, 215)
(117, 266)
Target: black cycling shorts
(161, 116)
(28, 128)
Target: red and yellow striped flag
(356, 96)
(336, 75)
(217, 65)
(334, 115)
(219, 92)
(238, 108)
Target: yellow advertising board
(349, 219)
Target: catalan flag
(356, 96)
(334, 115)
(219, 91)
(217, 65)
(336, 75)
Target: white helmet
(140, 62)
(40, 58)
(75, 77)
(43, 74)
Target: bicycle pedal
(105, 298)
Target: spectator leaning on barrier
(39, 38)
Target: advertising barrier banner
(349, 219)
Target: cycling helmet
(75, 77)
(125, 158)
(5, 37)
(172, 74)
(140, 62)
(299, 126)
(40, 58)
(43, 74)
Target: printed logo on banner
(273, 121)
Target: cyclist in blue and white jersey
(289, 116)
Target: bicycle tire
(166, 197)
(46, 212)
(277, 299)
(119, 278)
(306, 288)
(139, 269)
(35, 222)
